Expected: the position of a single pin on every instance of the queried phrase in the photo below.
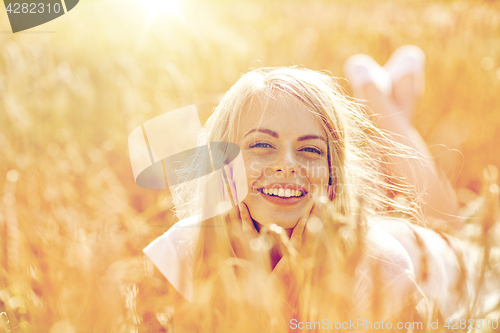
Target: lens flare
(160, 7)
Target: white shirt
(403, 252)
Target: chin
(286, 220)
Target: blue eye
(312, 150)
(261, 145)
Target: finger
(234, 213)
(247, 222)
(235, 232)
(319, 204)
(296, 237)
(315, 221)
(234, 221)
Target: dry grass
(72, 221)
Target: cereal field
(72, 221)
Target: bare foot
(362, 70)
(406, 71)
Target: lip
(283, 201)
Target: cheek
(257, 166)
(254, 169)
(317, 169)
(319, 176)
(320, 172)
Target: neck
(258, 226)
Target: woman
(308, 247)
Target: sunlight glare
(158, 7)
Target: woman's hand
(288, 272)
(303, 235)
(242, 232)
(247, 244)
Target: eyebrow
(263, 130)
(274, 134)
(311, 137)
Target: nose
(286, 165)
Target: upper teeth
(282, 192)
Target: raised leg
(394, 108)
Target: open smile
(281, 192)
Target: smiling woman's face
(285, 151)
